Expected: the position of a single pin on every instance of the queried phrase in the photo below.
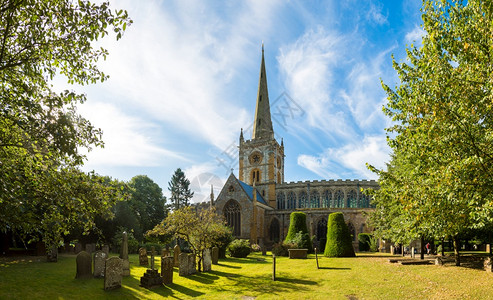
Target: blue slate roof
(249, 191)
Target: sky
(184, 77)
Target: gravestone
(90, 248)
(106, 249)
(191, 264)
(215, 255)
(52, 255)
(124, 255)
(392, 250)
(113, 273)
(84, 265)
(207, 261)
(488, 264)
(143, 260)
(183, 264)
(99, 260)
(167, 263)
(412, 252)
(176, 255)
(78, 248)
(165, 252)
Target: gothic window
(364, 200)
(291, 200)
(352, 231)
(281, 201)
(327, 198)
(263, 193)
(274, 230)
(303, 200)
(255, 176)
(352, 199)
(322, 230)
(338, 199)
(314, 199)
(232, 213)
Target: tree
(179, 186)
(339, 242)
(202, 229)
(443, 154)
(42, 192)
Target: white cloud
(415, 36)
(375, 14)
(202, 177)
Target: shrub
(301, 241)
(222, 243)
(339, 242)
(255, 247)
(364, 241)
(239, 248)
(373, 244)
(280, 249)
(297, 223)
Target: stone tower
(261, 159)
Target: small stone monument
(167, 263)
(183, 264)
(143, 260)
(176, 255)
(84, 266)
(215, 255)
(113, 273)
(106, 249)
(151, 277)
(488, 264)
(52, 255)
(412, 252)
(207, 261)
(124, 255)
(99, 263)
(191, 264)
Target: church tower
(261, 159)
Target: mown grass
(363, 277)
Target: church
(258, 204)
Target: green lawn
(363, 277)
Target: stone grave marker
(176, 255)
(52, 255)
(167, 263)
(215, 255)
(183, 264)
(113, 273)
(99, 261)
(124, 255)
(106, 249)
(143, 260)
(165, 252)
(488, 264)
(84, 265)
(78, 248)
(207, 261)
(90, 248)
(151, 277)
(191, 264)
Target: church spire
(262, 128)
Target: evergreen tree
(339, 242)
(179, 186)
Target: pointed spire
(241, 136)
(262, 128)
(212, 197)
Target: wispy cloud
(415, 36)
(375, 13)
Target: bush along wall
(298, 231)
(364, 241)
(339, 242)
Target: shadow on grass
(296, 281)
(205, 278)
(329, 268)
(377, 256)
(184, 290)
(228, 266)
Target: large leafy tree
(179, 186)
(41, 190)
(443, 155)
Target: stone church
(258, 204)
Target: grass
(364, 277)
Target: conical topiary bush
(339, 242)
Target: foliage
(280, 249)
(300, 241)
(239, 248)
(223, 241)
(339, 242)
(297, 223)
(133, 244)
(43, 194)
(201, 229)
(364, 241)
(255, 247)
(373, 244)
(441, 176)
(179, 186)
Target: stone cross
(152, 257)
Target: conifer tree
(179, 186)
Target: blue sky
(183, 81)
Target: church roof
(249, 191)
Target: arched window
(338, 199)
(364, 200)
(303, 200)
(291, 200)
(352, 231)
(274, 230)
(255, 176)
(314, 199)
(327, 198)
(322, 234)
(232, 213)
(281, 201)
(352, 199)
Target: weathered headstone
(106, 249)
(412, 252)
(124, 255)
(191, 264)
(176, 255)
(488, 264)
(113, 273)
(84, 265)
(392, 250)
(207, 261)
(99, 261)
(215, 255)
(52, 255)
(143, 260)
(167, 263)
(183, 264)
(78, 248)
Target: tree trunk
(199, 267)
(422, 250)
(443, 246)
(456, 250)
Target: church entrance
(322, 233)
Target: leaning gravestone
(207, 261)
(52, 255)
(99, 263)
(84, 266)
(143, 260)
(124, 255)
(167, 263)
(191, 264)
(215, 255)
(176, 255)
(183, 264)
(113, 273)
